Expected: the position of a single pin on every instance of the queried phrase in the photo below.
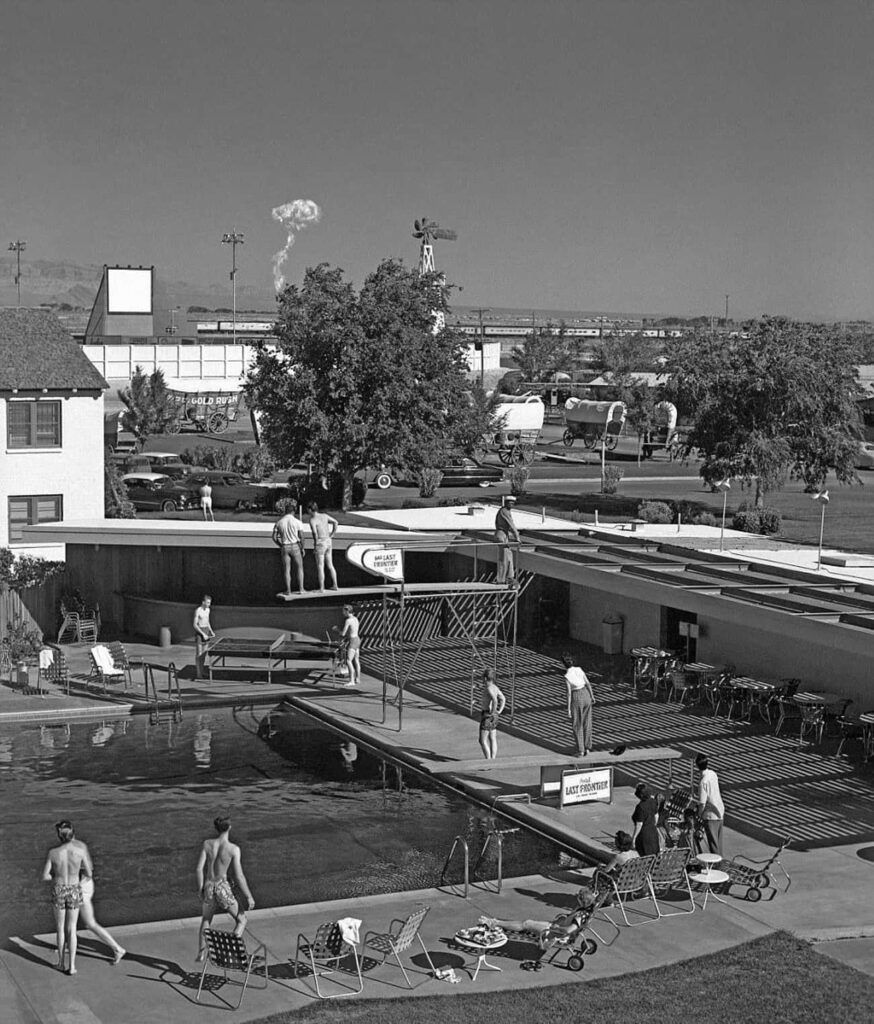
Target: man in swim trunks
(492, 703)
(64, 865)
(287, 536)
(350, 634)
(323, 527)
(217, 856)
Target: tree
(545, 351)
(149, 408)
(116, 500)
(781, 402)
(360, 380)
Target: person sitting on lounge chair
(565, 927)
(625, 852)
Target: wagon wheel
(217, 422)
(610, 441)
(505, 456)
(173, 426)
(526, 452)
(567, 438)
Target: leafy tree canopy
(546, 351)
(780, 402)
(149, 407)
(359, 380)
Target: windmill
(428, 231)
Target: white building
(51, 426)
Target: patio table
(479, 949)
(813, 698)
(755, 694)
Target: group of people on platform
(288, 533)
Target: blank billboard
(128, 291)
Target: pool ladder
(174, 694)
(460, 843)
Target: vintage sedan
(458, 471)
(151, 491)
(155, 462)
(865, 457)
(231, 490)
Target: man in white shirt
(287, 535)
(710, 805)
(579, 704)
(203, 632)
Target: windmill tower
(427, 231)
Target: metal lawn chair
(104, 667)
(671, 813)
(574, 942)
(400, 936)
(668, 873)
(327, 947)
(229, 953)
(121, 660)
(630, 882)
(756, 874)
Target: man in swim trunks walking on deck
(492, 703)
(216, 857)
(64, 864)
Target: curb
(813, 935)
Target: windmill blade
(450, 236)
(417, 225)
(417, 234)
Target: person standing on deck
(492, 703)
(579, 704)
(288, 536)
(64, 866)
(203, 632)
(323, 527)
(217, 857)
(505, 531)
(206, 502)
(710, 805)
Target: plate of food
(484, 936)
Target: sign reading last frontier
(579, 786)
(387, 563)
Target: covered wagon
(516, 426)
(593, 422)
(206, 406)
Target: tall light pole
(822, 498)
(233, 239)
(726, 311)
(18, 247)
(171, 327)
(482, 344)
(724, 486)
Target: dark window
(28, 510)
(33, 425)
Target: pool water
(316, 818)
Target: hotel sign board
(583, 785)
(386, 562)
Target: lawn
(775, 979)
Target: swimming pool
(312, 814)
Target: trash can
(165, 638)
(611, 634)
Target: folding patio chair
(228, 952)
(104, 667)
(629, 882)
(398, 940)
(121, 660)
(668, 872)
(327, 947)
(756, 874)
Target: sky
(622, 155)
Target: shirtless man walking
(64, 865)
(216, 857)
(492, 703)
(323, 527)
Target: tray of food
(482, 935)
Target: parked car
(150, 491)
(231, 490)
(155, 462)
(865, 458)
(458, 471)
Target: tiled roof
(36, 352)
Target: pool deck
(831, 896)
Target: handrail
(497, 834)
(458, 841)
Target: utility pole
(482, 343)
(171, 327)
(18, 247)
(726, 311)
(233, 239)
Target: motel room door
(679, 632)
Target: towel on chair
(104, 660)
(46, 658)
(349, 929)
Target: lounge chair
(575, 943)
(400, 936)
(326, 947)
(228, 952)
(668, 872)
(628, 883)
(103, 666)
(756, 874)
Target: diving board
(545, 758)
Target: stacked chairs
(671, 812)
(81, 627)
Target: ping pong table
(276, 653)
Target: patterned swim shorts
(67, 897)
(219, 894)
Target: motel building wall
(148, 574)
